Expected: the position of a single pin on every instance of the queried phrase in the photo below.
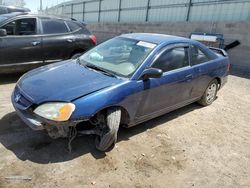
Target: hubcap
(211, 92)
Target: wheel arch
(219, 81)
(125, 117)
(79, 50)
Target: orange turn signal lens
(57, 111)
(65, 112)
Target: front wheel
(109, 135)
(210, 94)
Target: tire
(75, 56)
(109, 136)
(210, 94)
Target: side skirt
(22, 67)
(144, 118)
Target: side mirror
(3, 32)
(151, 73)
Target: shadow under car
(38, 147)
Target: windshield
(120, 56)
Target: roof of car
(14, 7)
(154, 38)
(15, 14)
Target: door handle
(35, 43)
(70, 40)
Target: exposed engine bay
(95, 126)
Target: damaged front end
(57, 128)
(54, 118)
(95, 126)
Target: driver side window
(26, 26)
(172, 59)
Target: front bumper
(26, 116)
(23, 108)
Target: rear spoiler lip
(219, 50)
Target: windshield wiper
(104, 71)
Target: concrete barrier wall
(240, 56)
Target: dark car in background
(31, 40)
(10, 9)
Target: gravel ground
(190, 147)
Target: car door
(58, 41)
(173, 89)
(201, 64)
(22, 43)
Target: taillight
(93, 38)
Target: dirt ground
(190, 147)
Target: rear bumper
(223, 81)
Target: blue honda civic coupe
(124, 81)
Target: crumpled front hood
(64, 81)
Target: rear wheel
(108, 138)
(76, 55)
(210, 94)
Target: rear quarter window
(197, 56)
(74, 26)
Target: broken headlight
(57, 111)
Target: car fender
(125, 95)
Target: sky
(34, 5)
